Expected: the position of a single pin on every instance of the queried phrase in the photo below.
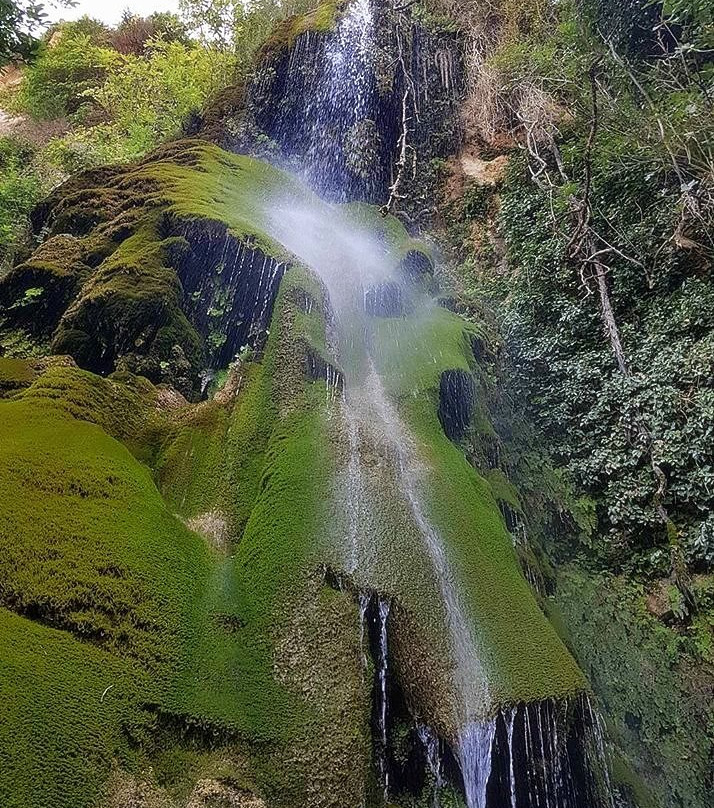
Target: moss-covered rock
(654, 683)
(523, 655)
(121, 282)
(34, 294)
(321, 19)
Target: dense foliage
(18, 190)
(607, 213)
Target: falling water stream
(352, 264)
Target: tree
(238, 25)
(133, 33)
(63, 74)
(18, 20)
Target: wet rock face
(385, 300)
(350, 114)
(338, 129)
(416, 266)
(457, 401)
(318, 369)
(229, 288)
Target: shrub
(19, 191)
(66, 72)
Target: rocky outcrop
(142, 273)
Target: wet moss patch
(524, 658)
(105, 289)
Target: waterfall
(354, 494)
(517, 756)
(342, 100)
(328, 99)
(475, 752)
(348, 261)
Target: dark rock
(457, 400)
(384, 300)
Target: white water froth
(349, 260)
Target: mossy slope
(104, 287)
(124, 594)
(524, 658)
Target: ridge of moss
(321, 19)
(15, 374)
(104, 288)
(523, 655)
(113, 574)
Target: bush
(69, 68)
(149, 99)
(19, 191)
(134, 34)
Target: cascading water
(475, 749)
(430, 742)
(382, 672)
(518, 756)
(342, 101)
(324, 119)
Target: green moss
(104, 560)
(120, 408)
(320, 20)
(14, 375)
(191, 466)
(390, 229)
(625, 779)
(108, 294)
(87, 560)
(118, 310)
(502, 489)
(34, 294)
(524, 657)
(649, 681)
(229, 188)
(87, 546)
(69, 711)
(279, 471)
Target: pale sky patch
(110, 11)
